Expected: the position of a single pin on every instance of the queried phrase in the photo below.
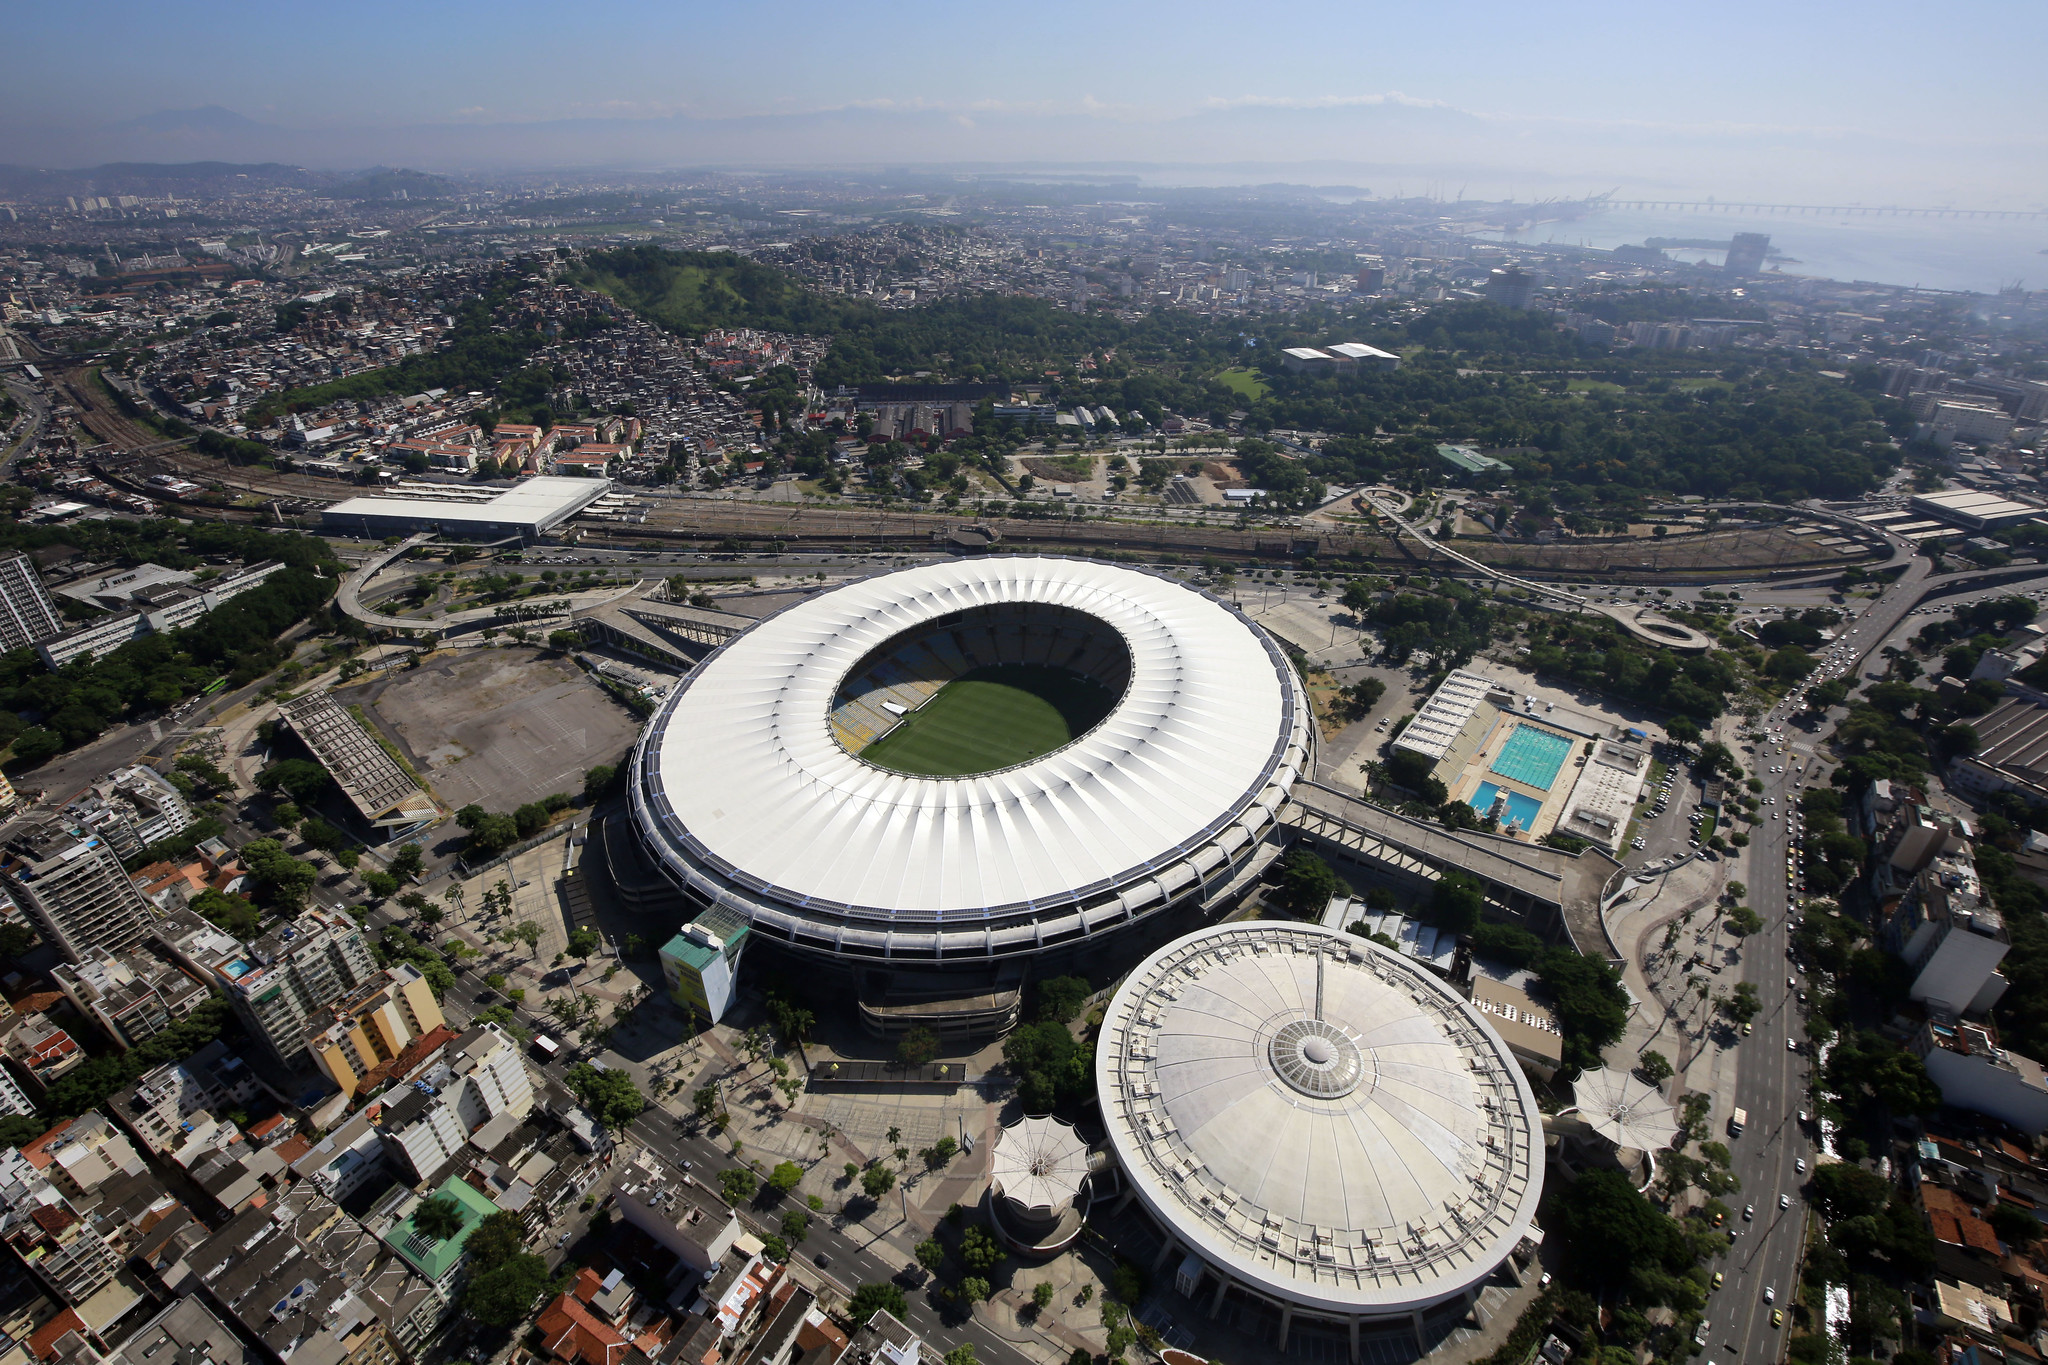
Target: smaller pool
(1518, 809)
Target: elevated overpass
(1485, 570)
(1527, 879)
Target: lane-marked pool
(1532, 757)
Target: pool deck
(1481, 771)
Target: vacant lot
(501, 727)
(994, 717)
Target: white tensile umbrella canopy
(1040, 1163)
(1625, 1110)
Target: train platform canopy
(528, 509)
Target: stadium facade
(1320, 1129)
(750, 792)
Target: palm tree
(439, 1218)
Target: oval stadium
(932, 774)
(1319, 1128)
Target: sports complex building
(921, 781)
(1533, 773)
(1320, 1128)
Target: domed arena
(959, 765)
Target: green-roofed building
(436, 1257)
(1469, 461)
(702, 963)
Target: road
(856, 1251)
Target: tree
(527, 932)
(1682, 729)
(1051, 1068)
(931, 1253)
(381, 884)
(1041, 1294)
(974, 1289)
(1590, 1005)
(785, 1177)
(870, 1299)
(1060, 998)
(595, 781)
(1742, 1005)
(305, 781)
(609, 1095)
(1456, 904)
(492, 833)
(1743, 921)
(562, 641)
(877, 1181)
(582, 943)
(1307, 882)
(980, 1252)
(233, 913)
(281, 879)
(439, 1218)
(796, 1225)
(917, 1046)
(1654, 1067)
(738, 1184)
(2015, 1227)
(496, 1240)
(406, 863)
(503, 1296)
(1611, 1233)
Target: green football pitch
(994, 717)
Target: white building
(687, 1218)
(1975, 1073)
(480, 1080)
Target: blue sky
(1885, 91)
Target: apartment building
(480, 1087)
(360, 1036)
(259, 1271)
(71, 884)
(682, 1215)
(160, 1109)
(40, 1226)
(282, 981)
(131, 808)
(129, 995)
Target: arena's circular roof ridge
(743, 792)
(1323, 1121)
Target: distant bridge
(1817, 210)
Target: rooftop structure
(2012, 752)
(479, 1090)
(1038, 1184)
(437, 1257)
(159, 1107)
(527, 510)
(1466, 460)
(279, 983)
(1627, 1111)
(131, 808)
(379, 789)
(159, 609)
(1977, 511)
(1320, 1124)
(751, 790)
(358, 1036)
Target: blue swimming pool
(1532, 757)
(1519, 809)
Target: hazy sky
(1947, 100)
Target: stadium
(919, 780)
(1320, 1130)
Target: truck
(1738, 1121)
(546, 1046)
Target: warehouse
(528, 509)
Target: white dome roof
(1319, 1118)
(747, 795)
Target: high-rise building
(281, 982)
(158, 1108)
(27, 615)
(72, 885)
(1746, 253)
(1510, 286)
(63, 1250)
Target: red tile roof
(572, 1333)
(43, 1341)
(37, 1153)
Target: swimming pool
(1532, 757)
(1520, 810)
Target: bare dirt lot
(501, 727)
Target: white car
(1770, 1293)
(1784, 1201)
(1800, 1165)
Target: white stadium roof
(1319, 1119)
(746, 796)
